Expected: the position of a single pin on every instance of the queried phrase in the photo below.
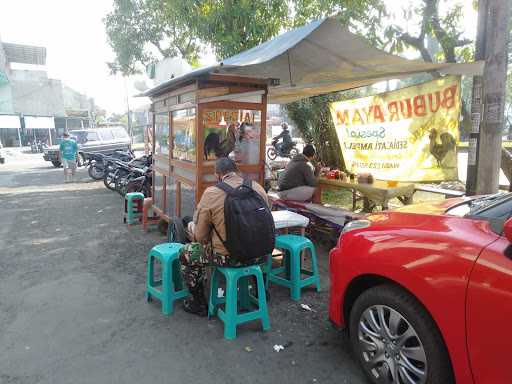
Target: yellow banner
(406, 135)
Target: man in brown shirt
(207, 248)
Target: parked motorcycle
(118, 173)
(37, 146)
(96, 162)
(141, 183)
(274, 151)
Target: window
(184, 131)
(92, 136)
(120, 133)
(106, 134)
(162, 133)
(496, 209)
(233, 133)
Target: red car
(426, 292)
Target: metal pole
(19, 137)
(128, 110)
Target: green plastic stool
(293, 245)
(133, 207)
(237, 292)
(170, 287)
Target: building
(32, 105)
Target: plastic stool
(293, 245)
(237, 291)
(133, 207)
(171, 283)
(146, 219)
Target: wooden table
(378, 193)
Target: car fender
(431, 257)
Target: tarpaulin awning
(10, 121)
(39, 122)
(318, 58)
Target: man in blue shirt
(68, 156)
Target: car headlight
(356, 224)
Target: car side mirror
(507, 230)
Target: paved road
(72, 306)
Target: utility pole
(488, 100)
(476, 102)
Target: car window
(120, 133)
(79, 136)
(92, 136)
(107, 134)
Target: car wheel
(395, 339)
(56, 164)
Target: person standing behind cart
(68, 156)
(300, 179)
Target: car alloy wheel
(390, 347)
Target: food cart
(196, 120)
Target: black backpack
(250, 229)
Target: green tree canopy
(144, 31)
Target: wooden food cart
(196, 119)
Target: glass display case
(184, 134)
(196, 123)
(162, 133)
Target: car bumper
(51, 156)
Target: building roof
(318, 58)
(25, 54)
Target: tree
(139, 29)
(144, 31)
(445, 32)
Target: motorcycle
(117, 172)
(37, 146)
(274, 151)
(141, 183)
(96, 162)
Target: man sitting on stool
(299, 180)
(208, 249)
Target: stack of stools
(292, 247)
(237, 295)
(133, 207)
(170, 287)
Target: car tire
(409, 343)
(57, 164)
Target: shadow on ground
(72, 306)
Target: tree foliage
(143, 31)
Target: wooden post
(497, 14)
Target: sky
(77, 50)
(76, 42)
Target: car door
(489, 314)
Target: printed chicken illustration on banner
(406, 135)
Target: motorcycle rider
(287, 142)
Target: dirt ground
(72, 307)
